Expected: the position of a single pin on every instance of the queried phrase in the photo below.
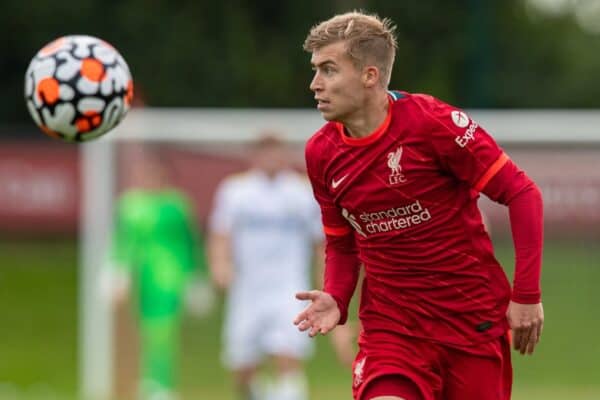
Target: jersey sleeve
(341, 255)
(512, 187)
(222, 216)
(470, 154)
(463, 147)
(333, 222)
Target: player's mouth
(322, 104)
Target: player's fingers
(314, 330)
(540, 329)
(325, 330)
(312, 295)
(301, 317)
(525, 334)
(303, 296)
(520, 337)
(307, 313)
(304, 325)
(533, 339)
(516, 338)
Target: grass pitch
(38, 332)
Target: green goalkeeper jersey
(158, 245)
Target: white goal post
(219, 125)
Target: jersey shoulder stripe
(396, 95)
(491, 172)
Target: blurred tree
(241, 53)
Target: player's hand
(322, 314)
(222, 277)
(114, 286)
(200, 297)
(527, 323)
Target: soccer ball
(78, 88)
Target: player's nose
(316, 84)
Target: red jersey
(409, 191)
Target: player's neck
(270, 174)
(369, 117)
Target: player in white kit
(265, 228)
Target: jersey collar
(371, 137)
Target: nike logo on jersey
(335, 184)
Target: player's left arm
(468, 152)
(195, 240)
(199, 295)
(512, 187)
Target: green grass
(38, 331)
(38, 326)
(569, 353)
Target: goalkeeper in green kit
(157, 256)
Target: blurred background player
(158, 257)
(265, 234)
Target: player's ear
(370, 76)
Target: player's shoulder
(131, 197)
(321, 145)
(132, 202)
(424, 102)
(429, 111)
(237, 178)
(297, 189)
(296, 180)
(322, 136)
(235, 182)
(178, 196)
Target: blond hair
(369, 40)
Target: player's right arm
(220, 257)
(219, 254)
(329, 307)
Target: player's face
(146, 170)
(271, 159)
(337, 83)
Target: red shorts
(417, 369)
